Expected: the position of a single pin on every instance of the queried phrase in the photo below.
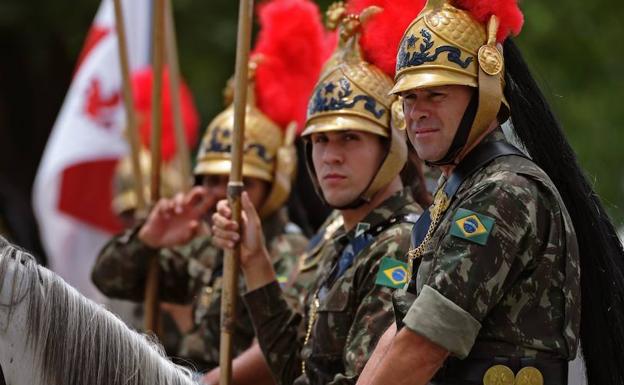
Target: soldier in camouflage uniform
(354, 155)
(192, 270)
(495, 294)
(126, 202)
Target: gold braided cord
(311, 319)
(440, 203)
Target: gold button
(206, 296)
(529, 376)
(498, 375)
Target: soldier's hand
(225, 230)
(176, 221)
(254, 260)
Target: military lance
(151, 290)
(183, 154)
(153, 272)
(163, 39)
(235, 188)
(132, 133)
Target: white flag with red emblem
(73, 188)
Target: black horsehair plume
(601, 254)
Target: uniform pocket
(333, 322)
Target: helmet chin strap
(461, 136)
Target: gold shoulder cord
(311, 319)
(329, 232)
(440, 203)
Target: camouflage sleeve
(202, 344)
(486, 245)
(277, 329)
(374, 296)
(120, 269)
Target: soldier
(125, 201)
(176, 230)
(354, 155)
(496, 298)
(124, 205)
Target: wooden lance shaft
(182, 150)
(235, 188)
(132, 133)
(153, 272)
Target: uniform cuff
(265, 302)
(442, 322)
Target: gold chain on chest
(311, 318)
(440, 204)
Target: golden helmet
(124, 193)
(448, 45)
(353, 94)
(282, 73)
(268, 153)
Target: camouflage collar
(399, 203)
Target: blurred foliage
(571, 47)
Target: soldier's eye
(319, 138)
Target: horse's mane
(77, 341)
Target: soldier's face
(345, 163)
(216, 186)
(257, 189)
(433, 116)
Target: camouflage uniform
(513, 291)
(302, 278)
(192, 273)
(351, 316)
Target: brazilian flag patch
(392, 273)
(471, 226)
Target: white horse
(52, 335)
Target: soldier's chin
(339, 199)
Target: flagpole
(235, 188)
(152, 284)
(182, 151)
(132, 133)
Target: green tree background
(572, 47)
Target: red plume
(142, 90)
(507, 11)
(382, 33)
(291, 43)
